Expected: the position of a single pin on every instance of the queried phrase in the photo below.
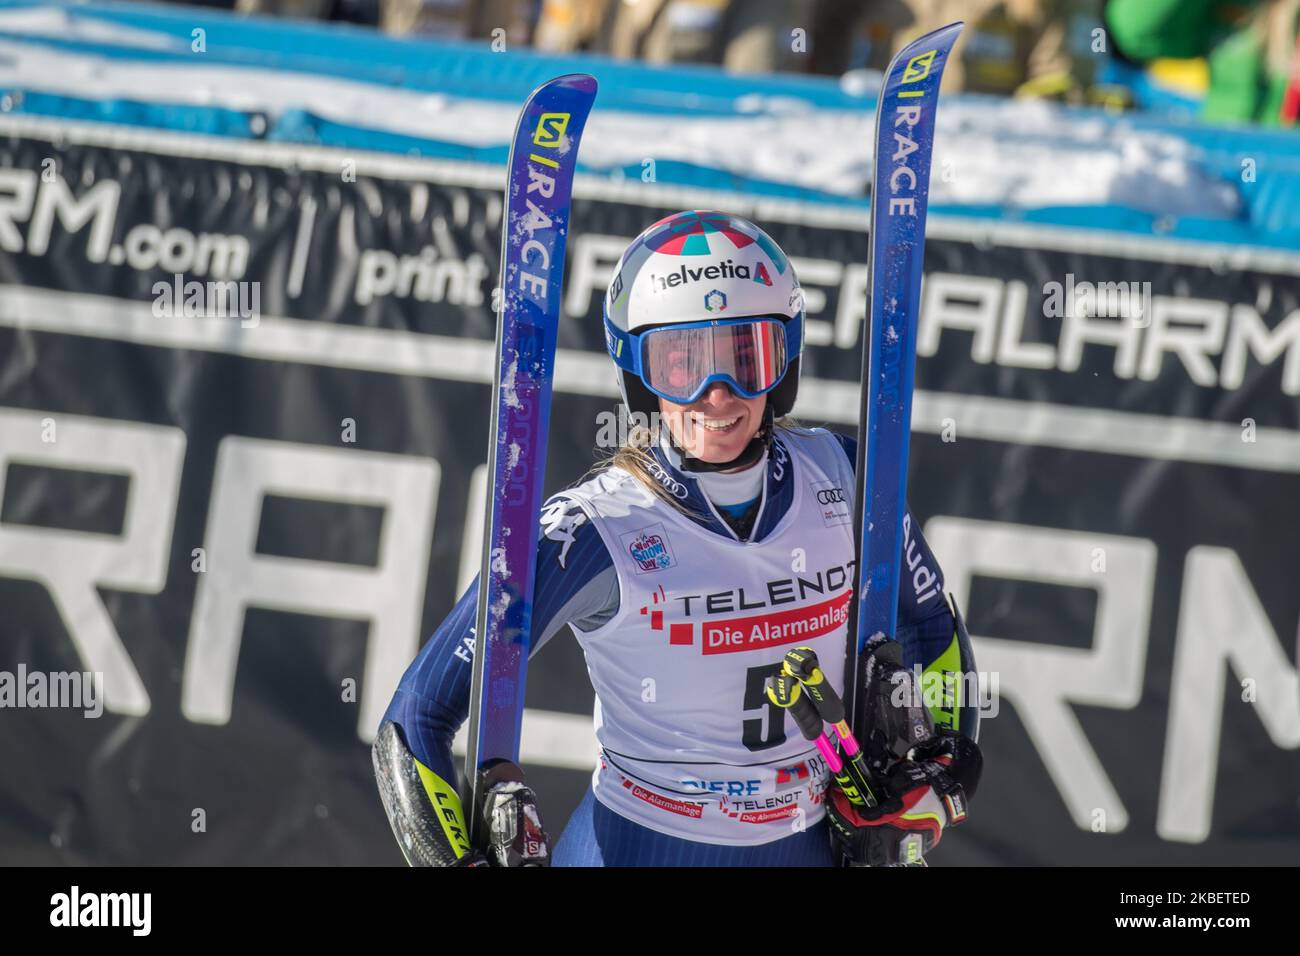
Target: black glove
(896, 715)
(922, 796)
(512, 831)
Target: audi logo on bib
(675, 487)
(832, 502)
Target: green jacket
(1242, 87)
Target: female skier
(706, 548)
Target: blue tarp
(142, 34)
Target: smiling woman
(716, 540)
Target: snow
(508, 391)
(50, 21)
(1010, 153)
(502, 603)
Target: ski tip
(942, 38)
(924, 57)
(576, 81)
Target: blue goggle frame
(625, 349)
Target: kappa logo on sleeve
(832, 502)
(561, 520)
(649, 548)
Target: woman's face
(718, 426)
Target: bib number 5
(752, 735)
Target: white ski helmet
(708, 268)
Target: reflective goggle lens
(677, 362)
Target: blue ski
(535, 225)
(905, 115)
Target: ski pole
(801, 664)
(786, 692)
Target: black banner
(244, 395)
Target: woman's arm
(575, 583)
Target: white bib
(690, 744)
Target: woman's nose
(717, 393)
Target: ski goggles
(680, 362)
